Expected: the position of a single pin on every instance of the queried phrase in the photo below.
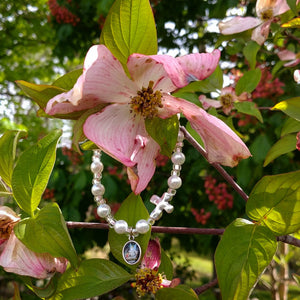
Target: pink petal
(103, 81)
(16, 258)
(163, 70)
(238, 24)
(207, 103)
(8, 219)
(199, 65)
(261, 33)
(286, 55)
(122, 135)
(221, 143)
(152, 256)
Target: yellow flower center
(267, 14)
(226, 100)
(148, 281)
(147, 102)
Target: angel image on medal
(132, 252)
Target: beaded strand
(161, 203)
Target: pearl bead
(174, 182)
(121, 226)
(178, 158)
(103, 210)
(96, 166)
(142, 226)
(180, 136)
(98, 189)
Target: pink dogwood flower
(266, 10)
(226, 100)
(15, 257)
(148, 279)
(119, 128)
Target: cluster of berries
(200, 215)
(62, 14)
(73, 156)
(218, 193)
(268, 87)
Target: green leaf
(291, 107)
(290, 126)
(243, 253)
(94, 277)
(166, 266)
(131, 210)
(250, 52)
(45, 291)
(40, 93)
(3, 190)
(248, 108)
(68, 80)
(285, 145)
(248, 82)
(179, 292)
(129, 28)
(47, 233)
(164, 132)
(275, 202)
(8, 145)
(294, 23)
(211, 84)
(32, 172)
(293, 6)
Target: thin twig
(218, 167)
(178, 230)
(201, 289)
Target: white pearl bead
(97, 166)
(103, 210)
(174, 182)
(178, 158)
(142, 226)
(121, 226)
(98, 189)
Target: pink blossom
(15, 257)
(266, 10)
(226, 99)
(119, 127)
(18, 259)
(148, 279)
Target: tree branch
(178, 230)
(201, 289)
(218, 167)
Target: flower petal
(221, 143)
(103, 81)
(199, 65)
(152, 257)
(163, 70)
(238, 24)
(17, 258)
(260, 33)
(122, 135)
(278, 7)
(207, 103)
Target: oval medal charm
(132, 252)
